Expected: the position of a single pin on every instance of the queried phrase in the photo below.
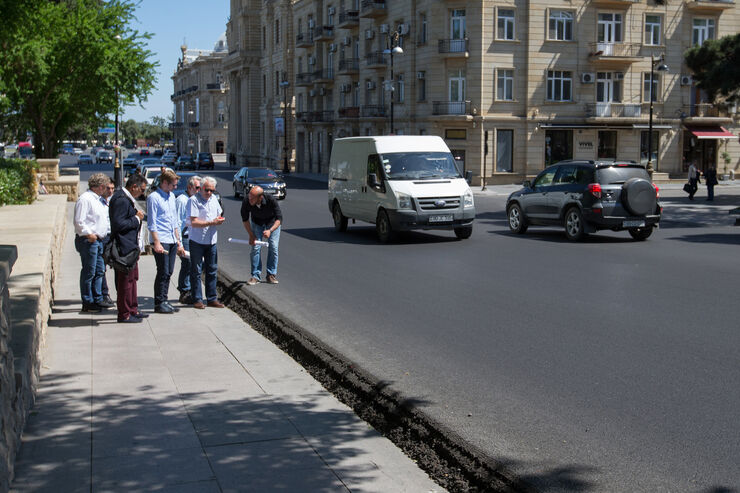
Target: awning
(603, 126)
(709, 132)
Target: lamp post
(285, 84)
(117, 175)
(393, 48)
(661, 68)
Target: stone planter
(65, 185)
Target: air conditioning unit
(347, 40)
(404, 29)
(332, 48)
(370, 85)
(369, 34)
(686, 80)
(420, 75)
(588, 77)
(384, 28)
(331, 11)
(312, 92)
(311, 23)
(618, 75)
(312, 60)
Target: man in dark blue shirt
(262, 218)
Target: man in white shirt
(105, 200)
(183, 280)
(205, 215)
(91, 225)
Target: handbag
(121, 263)
(687, 187)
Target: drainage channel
(453, 464)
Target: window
(277, 32)
(652, 29)
(649, 89)
(401, 94)
(505, 84)
(558, 146)
(559, 84)
(356, 95)
(264, 38)
(221, 112)
(277, 83)
(264, 85)
(330, 15)
(703, 29)
(607, 144)
(505, 27)
(456, 134)
(655, 145)
(610, 28)
(561, 25)
(421, 94)
(608, 87)
(504, 151)
(457, 24)
(573, 174)
(423, 28)
(545, 178)
(456, 79)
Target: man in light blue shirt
(183, 281)
(164, 228)
(205, 215)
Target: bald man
(262, 218)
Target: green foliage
(154, 131)
(716, 67)
(63, 65)
(17, 181)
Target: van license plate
(633, 224)
(446, 218)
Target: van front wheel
(464, 232)
(340, 220)
(383, 227)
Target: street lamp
(117, 175)
(393, 48)
(660, 68)
(285, 84)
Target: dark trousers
(694, 187)
(126, 299)
(203, 258)
(104, 283)
(710, 192)
(183, 280)
(165, 265)
(93, 269)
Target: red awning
(709, 132)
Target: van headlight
(404, 201)
(468, 199)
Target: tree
(130, 130)
(716, 67)
(62, 64)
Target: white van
(399, 183)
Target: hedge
(17, 181)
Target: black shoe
(163, 308)
(107, 302)
(186, 298)
(140, 315)
(92, 308)
(130, 320)
(173, 308)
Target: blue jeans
(272, 252)
(165, 265)
(199, 255)
(183, 280)
(104, 284)
(93, 270)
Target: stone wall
(8, 415)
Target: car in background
(204, 160)
(68, 149)
(77, 151)
(158, 153)
(108, 147)
(130, 162)
(104, 157)
(150, 171)
(168, 160)
(588, 196)
(271, 183)
(84, 159)
(144, 153)
(184, 162)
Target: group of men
(186, 226)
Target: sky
(198, 22)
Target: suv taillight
(657, 191)
(595, 190)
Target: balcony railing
(326, 116)
(614, 110)
(706, 110)
(304, 78)
(372, 111)
(349, 65)
(323, 75)
(323, 33)
(376, 59)
(348, 18)
(349, 112)
(213, 86)
(709, 6)
(453, 45)
(194, 124)
(451, 108)
(373, 8)
(603, 50)
(303, 40)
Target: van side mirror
(527, 184)
(372, 180)
(468, 176)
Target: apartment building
(510, 85)
(201, 100)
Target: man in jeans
(205, 215)
(183, 280)
(104, 199)
(262, 218)
(165, 237)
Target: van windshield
(419, 166)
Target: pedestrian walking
(125, 222)
(693, 180)
(205, 215)
(262, 219)
(164, 229)
(710, 178)
(104, 199)
(183, 280)
(91, 224)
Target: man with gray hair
(205, 215)
(183, 281)
(91, 226)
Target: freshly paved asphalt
(608, 365)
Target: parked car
(204, 160)
(104, 157)
(588, 196)
(150, 171)
(84, 159)
(130, 162)
(144, 153)
(168, 160)
(246, 178)
(158, 153)
(184, 162)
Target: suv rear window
(620, 174)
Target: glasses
(209, 190)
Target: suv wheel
(340, 220)
(517, 222)
(383, 227)
(574, 227)
(641, 234)
(236, 193)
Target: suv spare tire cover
(638, 196)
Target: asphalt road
(608, 365)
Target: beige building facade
(200, 101)
(511, 85)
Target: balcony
(302, 117)
(348, 19)
(326, 116)
(376, 59)
(304, 79)
(194, 124)
(709, 6)
(614, 3)
(349, 66)
(323, 33)
(451, 108)
(303, 40)
(373, 9)
(323, 76)
(214, 86)
(615, 52)
(705, 110)
(615, 110)
(372, 111)
(349, 112)
(454, 47)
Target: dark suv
(204, 160)
(587, 196)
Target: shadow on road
(725, 239)
(366, 236)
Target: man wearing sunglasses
(183, 281)
(205, 215)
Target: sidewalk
(195, 401)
